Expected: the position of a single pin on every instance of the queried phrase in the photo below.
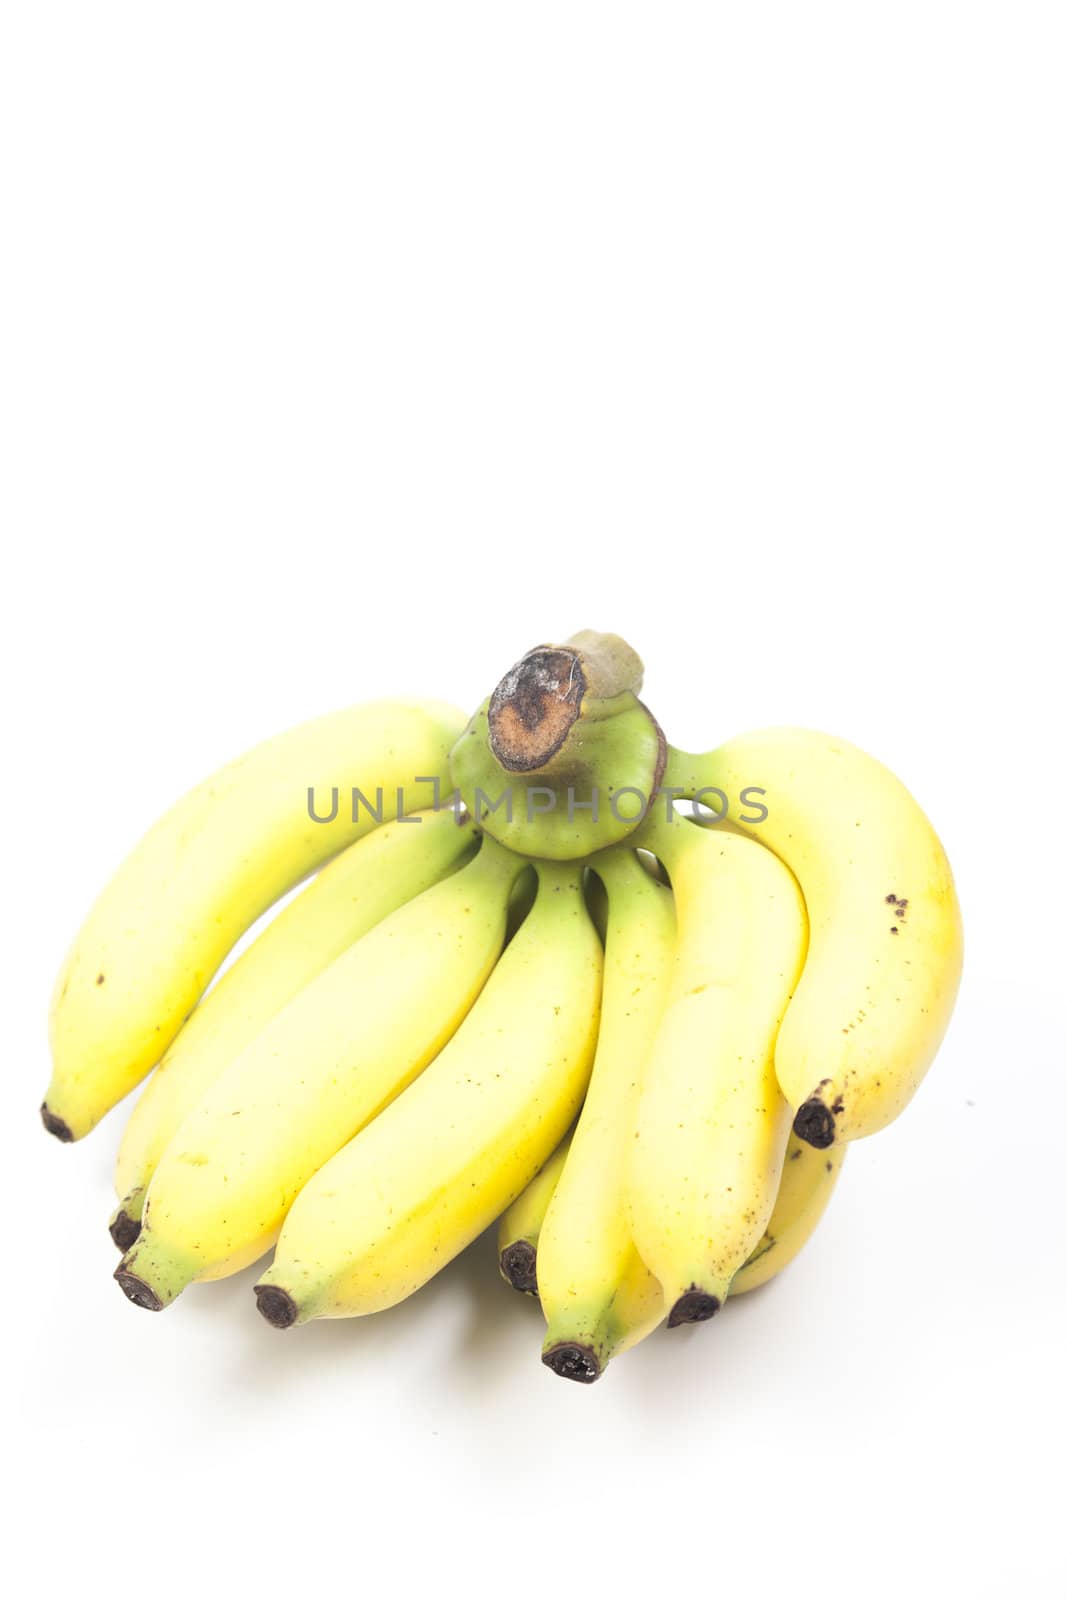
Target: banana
(351, 895)
(447, 1157)
(350, 1041)
(712, 1124)
(520, 1226)
(592, 1284)
(809, 1178)
(203, 874)
(635, 1311)
(886, 938)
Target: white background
(351, 350)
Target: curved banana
(203, 874)
(886, 939)
(635, 1311)
(350, 1041)
(520, 1226)
(712, 1124)
(586, 1264)
(352, 894)
(428, 1175)
(809, 1178)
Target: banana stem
(534, 706)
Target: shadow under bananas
(476, 1320)
(484, 1337)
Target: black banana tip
(575, 1361)
(814, 1123)
(56, 1126)
(125, 1230)
(277, 1305)
(136, 1290)
(693, 1306)
(518, 1263)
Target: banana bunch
(528, 982)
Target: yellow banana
(591, 1282)
(520, 1226)
(712, 1124)
(351, 895)
(886, 939)
(203, 874)
(636, 1310)
(350, 1041)
(808, 1180)
(447, 1157)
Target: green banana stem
(563, 758)
(534, 707)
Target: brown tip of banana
(814, 1123)
(574, 1361)
(56, 1126)
(136, 1290)
(125, 1230)
(518, 1264)
(277, 1305)
(695, 1305)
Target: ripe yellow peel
(457, 1147)
(886, 948)
(327, 1063)
(809, 1178)
(351, 895)
(202, 875)
(712, 1124)
(520, 1226)
(585, 1254)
